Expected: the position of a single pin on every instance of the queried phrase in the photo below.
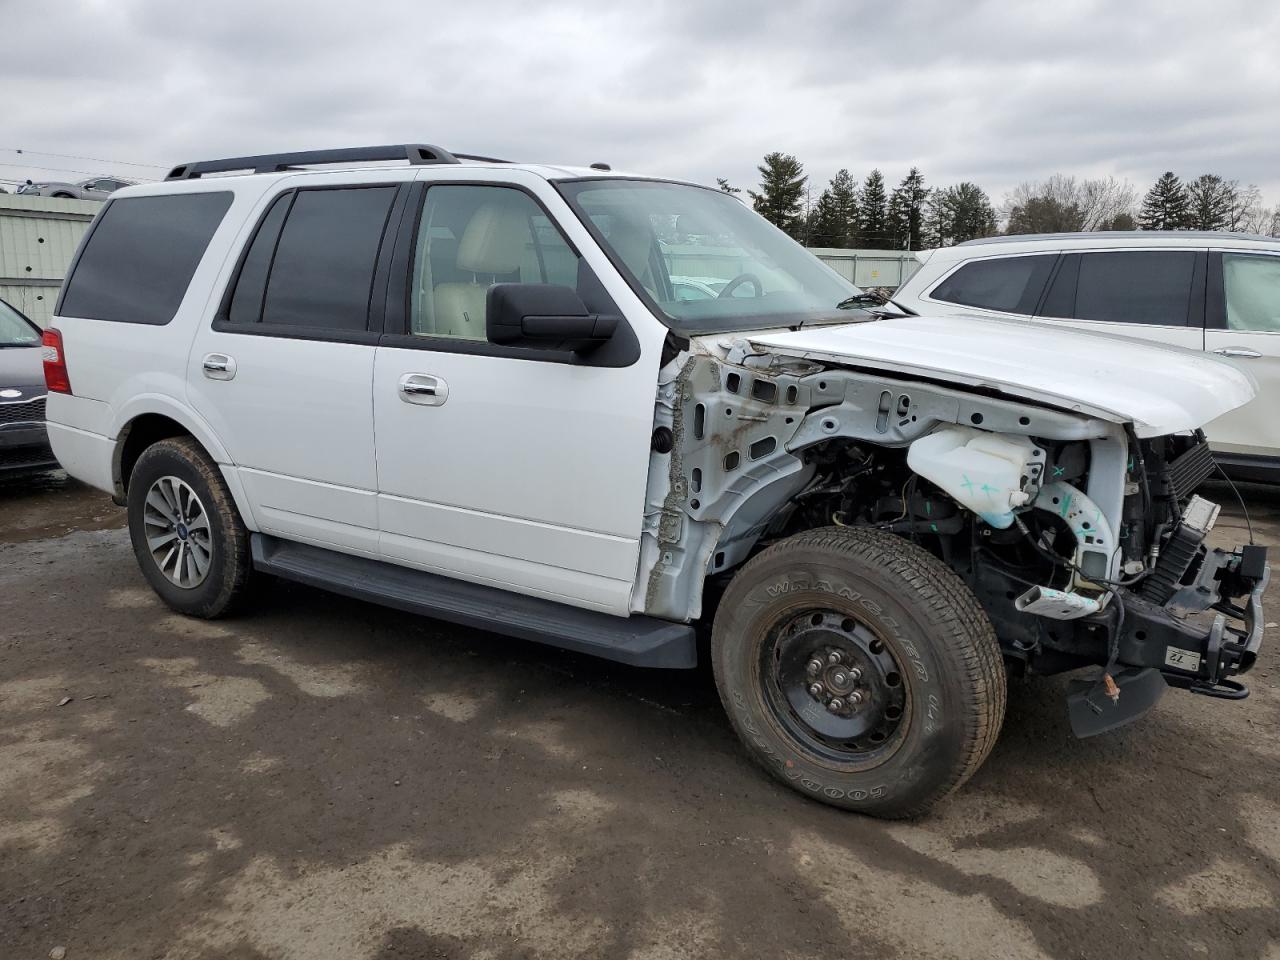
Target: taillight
(56, 379)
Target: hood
(21, 369)
(1159, 389)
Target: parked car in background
(24, 442)
(1215, 292)
(697, 288)
(95, 188)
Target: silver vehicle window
(1010, 284)
(1252, 288)
(1135, 286)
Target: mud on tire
(859, 670)
(176, 488)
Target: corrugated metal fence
(38, 238)
(870, 268)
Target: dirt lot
(327, 779)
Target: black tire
(871, 600)
(225, 580)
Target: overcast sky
(995, 92)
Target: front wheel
(860, 670)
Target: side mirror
(543, 316)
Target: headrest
(632, 241)
(495, 238)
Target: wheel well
(138, 434)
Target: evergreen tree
(1121, 221)
(1166, 205)
(725, 187)
(1211, 202)
(782, 183)
(907, 212)
(873, 214)
(959, 213)
(844, 201)
(825, 228)
(1045, 214)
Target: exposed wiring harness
(1239, 500)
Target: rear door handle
(423, 389)
(1241, 352)
(219, 366)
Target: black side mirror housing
(544, 316)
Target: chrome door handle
(219, 366)
(1243, 352)
(423, 389)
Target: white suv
(1214, 292)
(471, 388)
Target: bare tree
(1105, 201)
(1247, 215)
(1071, 203)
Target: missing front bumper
(1194, 654)
(1169, 645)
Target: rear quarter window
(1010, 284)
(140, 256)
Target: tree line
(913, 216)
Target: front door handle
(219, 366)
(1242, 352)
(423, 389)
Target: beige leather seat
(493, 244)
(632, 241)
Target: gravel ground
(326, 779)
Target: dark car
(24, 442)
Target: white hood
(1159, 389)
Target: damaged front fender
(741, 420)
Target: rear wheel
(190, 542)
(860, 670)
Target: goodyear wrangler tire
(859, 670)
(190, 542)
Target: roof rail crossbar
(416, 153)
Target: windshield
(704, 260)
(15, 329)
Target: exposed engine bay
(1084, 543)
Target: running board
(637, 640)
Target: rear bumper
(84, 455)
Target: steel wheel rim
(864, 733)
(176, 526)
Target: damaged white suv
(468, 388)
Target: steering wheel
(738, 281)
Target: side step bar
(637, 640)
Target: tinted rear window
(251, 286)
(141, 256)
(322, 272)
(1011, 284)
(1149, 286)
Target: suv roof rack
(416, 153)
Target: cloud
(995, 92)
